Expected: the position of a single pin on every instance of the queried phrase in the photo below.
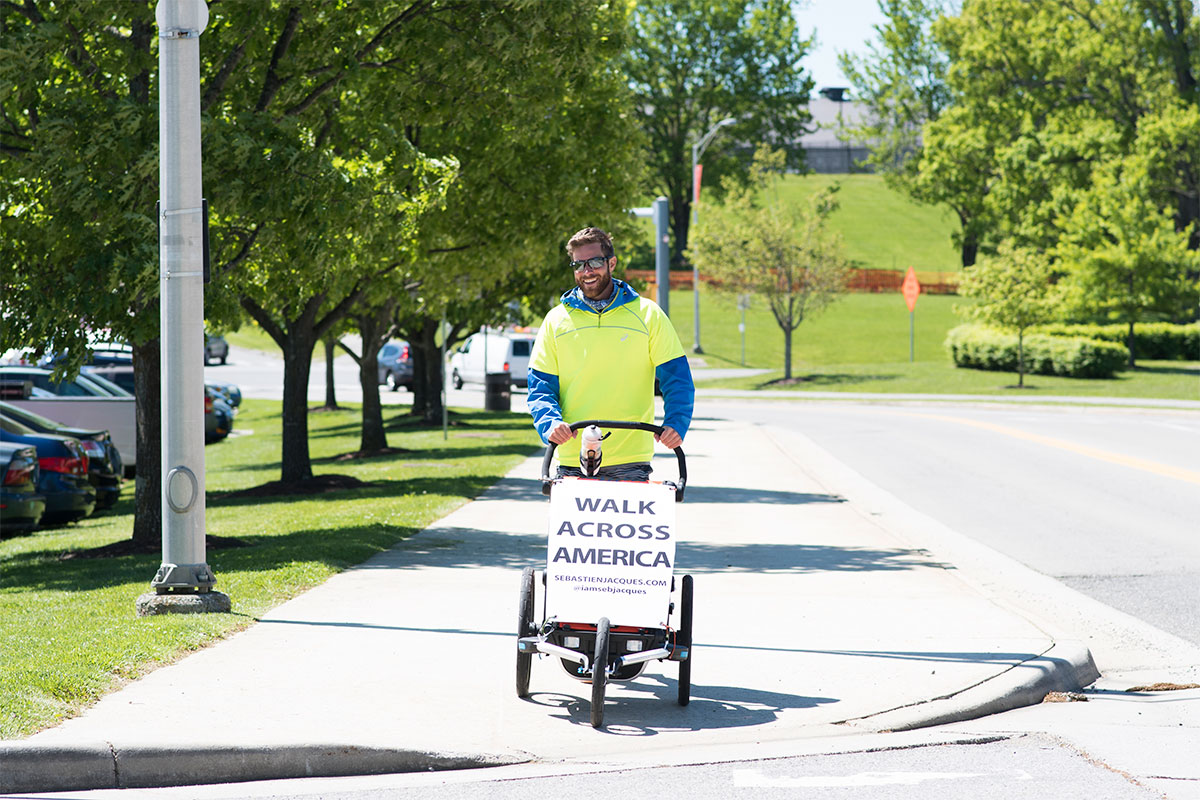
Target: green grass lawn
(883, 228)
(861, 344)
(70, 630)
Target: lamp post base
(153, 603)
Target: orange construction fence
(861, 280)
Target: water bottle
(589, 450)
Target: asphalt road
(1105, 500)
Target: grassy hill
(882, 228)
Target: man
(596, 357)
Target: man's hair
(591, 235)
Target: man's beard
(600, 289)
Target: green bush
(1158, 341)
(979, 347)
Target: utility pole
(698, 150)
(184, 581)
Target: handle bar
(629, 426)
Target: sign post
(911, 288)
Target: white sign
(610, 552)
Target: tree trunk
(970, 249)
(681, 211)
(1129, 342)
(420, 387)
(147, 497)
(331, 402)
(427, 370)
(373, 329)
(1020, 359)
(787, 353)
(297, 361)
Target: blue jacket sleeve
(679, 393)
(543, 402)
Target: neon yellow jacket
(589, 365)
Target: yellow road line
(1186, 475)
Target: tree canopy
(693, 63)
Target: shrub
(1151, 340)
(979, 347)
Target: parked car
(215, 349)
(21, 507)
(91, 402)
(63, 471)
(105, 470)
(101, 353)
(396, 365)
(230, 391)
(45, 386)
(218, 416)
(505, 352)
(120, 374)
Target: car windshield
(106, 386)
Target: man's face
(595, 283)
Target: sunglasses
(595, 263)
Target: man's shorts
(618, 472)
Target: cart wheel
(599, 672)
(525, 628)
(684, 638)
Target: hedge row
(1151, 340)
(979, 347)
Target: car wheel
(206, 358)
(456, 379)
(223, 360)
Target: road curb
(1064, 667)
(29, 767)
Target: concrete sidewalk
(812, 619)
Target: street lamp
(697, 151)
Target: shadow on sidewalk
(655, 710)
(465, 548)
(763, 558)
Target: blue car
(63, 467)
(105, 469)
(21, 507)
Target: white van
(504, 352)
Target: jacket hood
(622, 293)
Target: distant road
(1105, 500)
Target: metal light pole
(184, 581)
(698, 150)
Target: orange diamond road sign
(910, 289)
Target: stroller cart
(606, 599)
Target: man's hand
(669, 438)
(561, 433)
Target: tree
(547, 144)
(786, 255)
(1014, 290)
(692, 63)
(78, 187)
(1125, 261)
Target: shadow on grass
(823, 379)
(433, 454)
(405, 423)
(1193, 371)
(338, 548)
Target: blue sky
(841, 25)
